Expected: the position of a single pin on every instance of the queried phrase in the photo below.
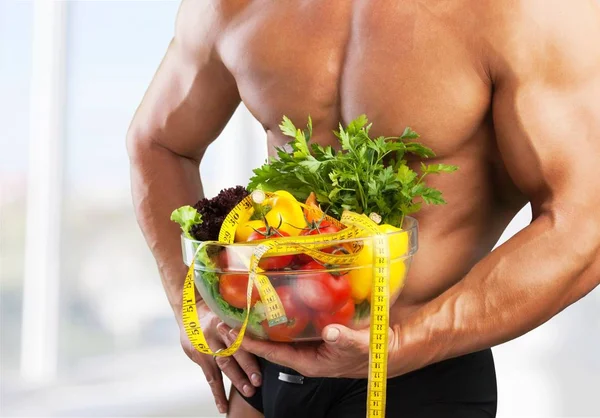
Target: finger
(234, 372)
(214, 378)
(247, 362)
(278, 353)
(344, 338)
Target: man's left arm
(546, 109)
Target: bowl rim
(413, 247)
(413, 228)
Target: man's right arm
(188, 103)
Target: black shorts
(463, 387)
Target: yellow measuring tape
(354, 225)
(378, 348)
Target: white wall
(553, 371)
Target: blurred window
(16, 21)
(112, 298)
(115, 325)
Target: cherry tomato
(343, 316)
(320, 290)
(324, 228)
(298, 317)
(232, 288)
(271, 263)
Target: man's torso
(402, 63)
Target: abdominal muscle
(454, 237)
(448, 250)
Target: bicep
(547, 119)
(550, 140)
(191, 97)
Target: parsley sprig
(366, 175)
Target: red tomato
(320, 290)
(298, 317)
(342, 316)
(230, 260)
(271, 263)
(232, 288)
(324, 228)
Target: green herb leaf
(408, 209)
(420, 150)
(438, 168)
(345, 139)
(405, 175)
(287, 127)
(432, 196)
(367, 175)
(357, 124)
(308, 130)
(409, 134)
(311, 163)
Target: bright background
(110, 359)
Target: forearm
(522, 284)
(161, 182)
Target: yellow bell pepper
(361, 279)
(285, 213)
(282, 211)
(244, 229)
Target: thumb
(345, 338)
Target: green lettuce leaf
(186, 217)
(211, 283)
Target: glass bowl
(313, 294)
